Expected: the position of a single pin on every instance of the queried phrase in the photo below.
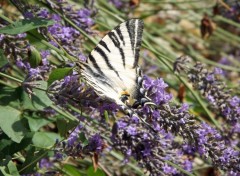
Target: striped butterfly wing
(112, 65)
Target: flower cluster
(230, 10)
(34, 64)
(150, 149)
(64, 35)
(156, 89)
(133, 138)
(79, 144)
(215, 91)
(125, 5)
(15, 48)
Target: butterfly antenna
(131, 112)
(147, 124)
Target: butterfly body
(111, 67)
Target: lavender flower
(81, 17)
(150, 150)
(95, 144)
(75, 146)
(215, 91)
(118, 4)
(157, 89)
(201, 138)
(124, 5)
(169, 170)
(45, 163)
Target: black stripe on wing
(106, 59)
(100, 77)
(92, 59)
(117, 44)
(135, 30)
(119, 32)
(104, 45)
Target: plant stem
(10, 77)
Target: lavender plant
(52, 122)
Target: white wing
(111, 66)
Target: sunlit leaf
(10, 123)
(45, 139)
(36, 122)
(12, 168)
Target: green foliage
(12, 169)
(45, 139)
(70, 170)
(58, 74)
(25, 25)
(9, 147)
(35, 122)
(83, 139)
(98, 172)
(3, 59)
(10, 96)
(32, 157)
(35, 57)
(11, 123)
(39, 100)
(34, 37)
(64, 125)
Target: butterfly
(112, 66)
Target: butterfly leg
(132, 112)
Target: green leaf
(45, 139)
(27, 102)
(35, 57)
(3, 59)
(32, 157)
(8, 147)
(58, 74)
(35, 39)
(3, 166)
(83, 139)
(36, 122)
(12, 168)
(25, 25)
(10, 123)
(71, 170)
(39, 100)
(91, 172)
(64, 126)
(3, 171)
(10, 96)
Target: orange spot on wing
(125, 93)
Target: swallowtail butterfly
(112, 66)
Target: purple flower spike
(156, 90)
(168, 169)
(96, 144)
